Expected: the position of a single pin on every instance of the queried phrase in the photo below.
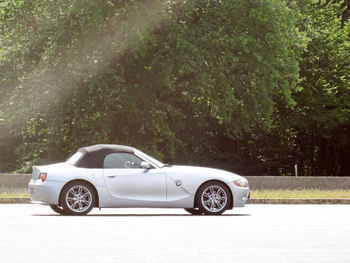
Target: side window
(121, 160)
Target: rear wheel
(58, 209)
(193, 211)
(78, 198)
(213, 198)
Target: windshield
(149, 158)
(74, 158)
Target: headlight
(241, 182)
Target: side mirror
(145, 165)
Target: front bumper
(240, 195)
(46, 193)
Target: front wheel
(78, 198)
(213, 198)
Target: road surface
(256, 233)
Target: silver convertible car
(120, 176)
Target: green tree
(323, 111)
(189, 81)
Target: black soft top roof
(93, 156)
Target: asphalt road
(256, 233)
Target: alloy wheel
(214, 198)
(79, 199)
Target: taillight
(43, 176)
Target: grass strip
(302, 194)
(7, 195)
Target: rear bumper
(46, 193)
(240, 195)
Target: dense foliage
(252, 86)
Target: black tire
(213, 198)
(78, 198)
(58, 209)
(193, 211)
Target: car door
(132, 185)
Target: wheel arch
(213, 180)
(80, 180)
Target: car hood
(203, 171)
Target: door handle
(111, 176)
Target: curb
(250, 201)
